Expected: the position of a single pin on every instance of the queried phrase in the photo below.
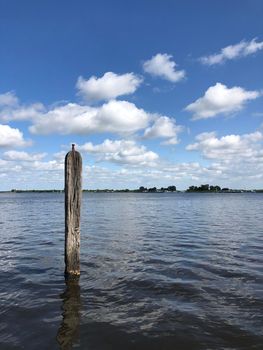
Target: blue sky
(153, 93)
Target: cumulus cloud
(23, 156)
(161, 65)
(8, 99)
(164, 127)
(20, 113)
(242, 49)
(235, 157)
(51, 165)
(109, 86)
(160, 175)
(11, 137)
(12, 110)
(120, 117)
(135, 172)
(229, 147)
(21, 173)
(121, 152)
(114, 116)
(219, 99)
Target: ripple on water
(158, 271)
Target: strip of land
(201, 189)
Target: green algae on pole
(73, 192)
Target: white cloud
(164, 127)
(12, 110)
(119, 117)
(134, 177)
(161, 65)
(238, 159)
(24, 174)
(60, 156)
(138, 169)
(9, 168)
(8, 99)
(122, 152)
(51, 165)
(242, 49)
(22, 112)
(109, 86)
(23, 156)
(171, 141)
(11, 137)
(219, 99)
(229, 147)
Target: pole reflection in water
(68, 332)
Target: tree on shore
(204, 188)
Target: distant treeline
(206, 188)
(37, 191)
(210, 188)
(142, 189)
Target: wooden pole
(73, 192)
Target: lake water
(158, 271)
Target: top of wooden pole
(73, 146)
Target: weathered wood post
(73, 192)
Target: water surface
(158, 271)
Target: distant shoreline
(169, 189)
(134, 191)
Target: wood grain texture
(73, 193)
